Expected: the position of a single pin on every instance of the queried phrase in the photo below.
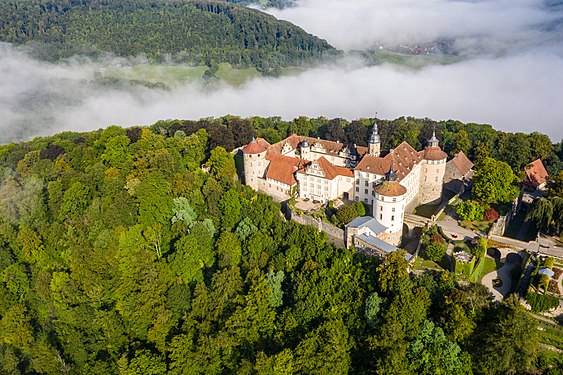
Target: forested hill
(120, 255)
(193, 31)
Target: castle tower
(374, 145)
(433, 168)
(254, 160)
(389, 207)
(305, 150)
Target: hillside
(197, 32)
(120, 255)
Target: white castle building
(324, 170)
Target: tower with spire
(432, 172)
(374, 146)
(389, 206)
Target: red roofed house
(536, 176)
(458, 170)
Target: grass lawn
(477, 226)
(490, 266)
(426, 210)
(424, 264)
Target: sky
(511, 74)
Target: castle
(322, 170)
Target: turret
(254, 159)
(389, 206)
(374, 145)
(305, 150)
(432, 172)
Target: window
(358, 181)
(365, 191)
(392, 217)
(357, 189)
(380, 208)
(326, 188)
(366, 183)
(436, 178)
(394, 199)
(393, 209)
(380, 216)
(357, 199)
(365, 200)
(304, 184)
(325, 182)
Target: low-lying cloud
(476, 26)
(515, 93)
(511, 75)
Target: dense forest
(477, 141)
(191, 31)
(119, 254)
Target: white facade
(390, 211)
(254, 168)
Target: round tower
(254, 161)
(432, 172)
(374, 145)
(389, 207)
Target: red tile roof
(282, 168)
(462, 163)
(433, 153)
(331, 171)
(254, 147)
(536, 173)
(403, 157)
(331, 147)
(391, 189)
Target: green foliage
(435, 251)
(373, 306)
(541, 302)
(126, 257)
(221, 164)
(196, 32)
(433, 353)
(494, 182)
(470, 211)
(345, 214)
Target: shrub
(470, 211)
(541, 302)
(360, 209)
(549, 262)
(435, 251)
(491, 215)
(543, 282)
(437, 238)
(344, 215)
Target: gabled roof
(282, 168)
(404, 158)
(330, 147)
(462, 163)
(536, 173)
(330, 171)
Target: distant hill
(196, 31)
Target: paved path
(504, 274)
(454, 231)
